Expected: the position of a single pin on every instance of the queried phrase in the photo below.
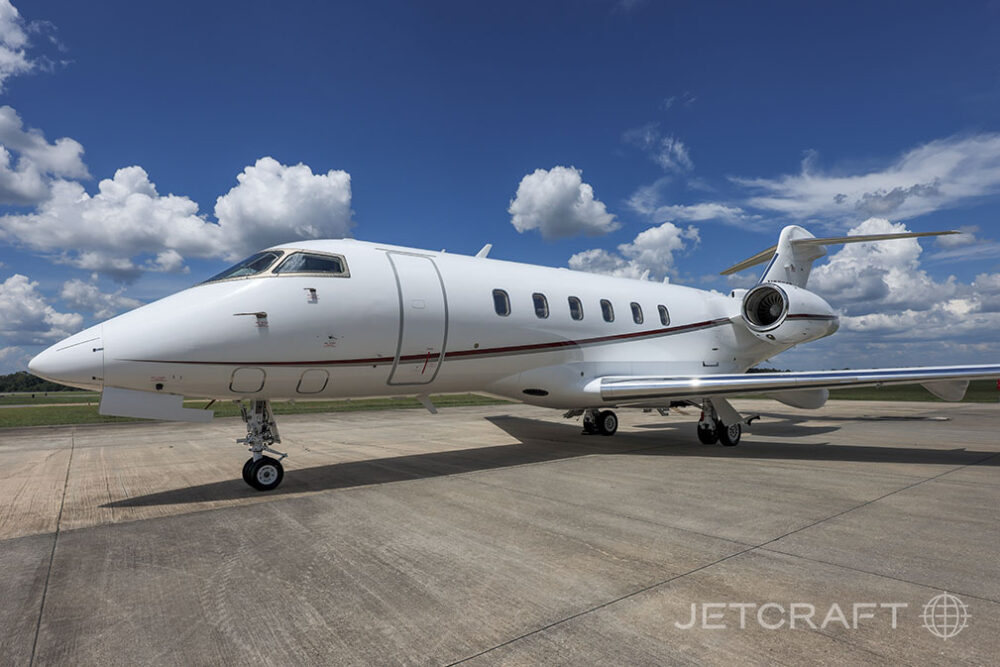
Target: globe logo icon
(945, 615)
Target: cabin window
(664, 315)
(501, 302)
(541, 305)
(575, 308)
(607, 310)
(636, 313)
(307, 262)
(251, 266)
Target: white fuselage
(408, 321)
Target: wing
(943, 381)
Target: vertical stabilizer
(792, 262)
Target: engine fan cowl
(787, 314)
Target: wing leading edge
(634, 388)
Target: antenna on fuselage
(485, 251)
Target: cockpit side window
(305, 262)
(251, 266)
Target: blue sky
(148, 145)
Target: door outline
(402, 314)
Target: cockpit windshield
(305, 262)
(250, 266)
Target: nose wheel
(263, 473)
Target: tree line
(25, 381)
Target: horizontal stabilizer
(147, 405)
(766, 255)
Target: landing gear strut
(261, 472)
(711, 429)
(604, 422)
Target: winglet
(485, 251)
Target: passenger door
(423, 319)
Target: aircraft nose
(77, 361)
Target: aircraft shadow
(785, 427)
(796, 419)
(539, 441)
(385, 470)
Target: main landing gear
(711, 429)
(261, 472)
(604, 422)
(729, 436)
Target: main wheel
(707, 435)
(729, 435)
(246, 471)
(607, 423)
(589, 426)
(266, 473)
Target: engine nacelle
(786, 314)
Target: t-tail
(791, 260)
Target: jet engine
(787, 314)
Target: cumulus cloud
(883, 276)
(89, 298)
(13, 43)
(274, 203)
(27, 179)
(27, 318)
(665, 150)
(18, 54)
(986, 290)
(559, 204)
(937, 175)
(649, 254)
(128, 227)
(112, 230)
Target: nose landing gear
(261, 472)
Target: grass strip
(87, 414)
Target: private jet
(345, 318)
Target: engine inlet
(765, 307)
